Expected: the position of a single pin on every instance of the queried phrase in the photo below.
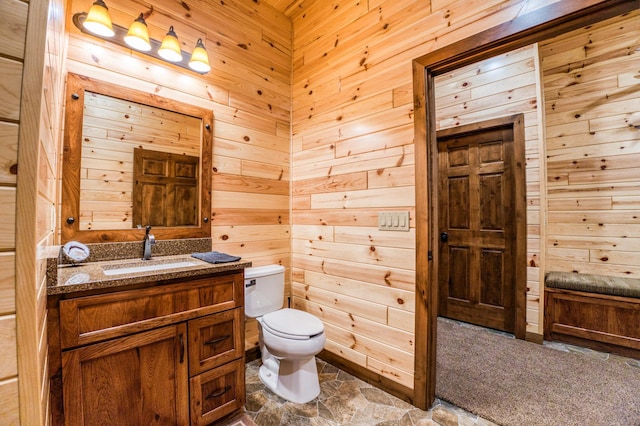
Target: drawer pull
(218, 340)
(181, 348)
(218, 392)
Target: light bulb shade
(98, 20)
(138, 35)
(199, 59)
(170, 48)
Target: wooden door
(140, 379)
(165, 189)
(479, 206)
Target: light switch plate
(393, 221)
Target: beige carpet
(513, 382)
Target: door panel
(476, 196)
(134, 380)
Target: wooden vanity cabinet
(166, 354)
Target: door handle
(444, 237)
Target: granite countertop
(91, 276)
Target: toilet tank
(263, 290)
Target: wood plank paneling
(593, 148)
(40, 85)
(13, 24)
(111, 129)
(9, 409)
(496, 87)
(353, 113)
(8, 152)
(248, 89)
(7, 283)
(9, 367)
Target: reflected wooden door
(477, 224)
(165, 189)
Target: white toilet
(289, 338)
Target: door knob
(444, 237)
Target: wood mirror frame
(72, 154)
(539, 25)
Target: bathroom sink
(147, 267)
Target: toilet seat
(292, 324)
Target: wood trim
(381, 382)
(252, 354)
(534, 338)
(521, 227)
(28, 313)
(76, 86)
(541, 24)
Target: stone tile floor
(346, 400)
(343, 400)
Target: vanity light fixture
(199, 59)
(98, 20)
(138, 35)
(170, 48)
(98, 23)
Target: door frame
(516, 124)
(541, 24)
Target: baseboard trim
(381, 382)
(252, 354)
(534, 337)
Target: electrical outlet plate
(393, 221)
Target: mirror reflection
(157, 186)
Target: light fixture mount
(118, 38)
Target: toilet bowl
(289, 338)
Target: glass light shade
(138, 35)
(98, 20)
(199, 59)
(170, 48)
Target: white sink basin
(147, 268)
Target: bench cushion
(615, 286)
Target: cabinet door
(215, 340)
(140, 379)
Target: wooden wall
(13, 23)
(249, 91)
(352, 157)
(592, 92)
(504, 85)
(111, 129)
(29, 137)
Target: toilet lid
(293, 323)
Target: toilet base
(294, 380)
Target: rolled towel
(216, 257)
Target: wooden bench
(594, 311)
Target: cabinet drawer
(94, 318)
(217, 392)
(215, 340)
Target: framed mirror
(133, 159)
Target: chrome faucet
(148, 241)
